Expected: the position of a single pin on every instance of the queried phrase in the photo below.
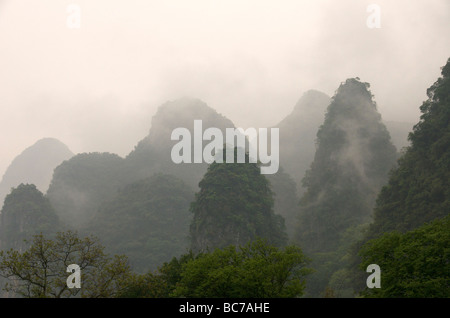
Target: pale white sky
(96, 88)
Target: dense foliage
(256, 269)
(359, 206)
(147, 220)
(418, 192)
(26, 212)
(81, 184)
(419, 189)
(234, 205)
(352, 161)
(413, 264)
(353, 157)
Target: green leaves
(234, 205)
(419, 189)
(413, 264)
(26, 212)
(148, 220)
(257, 269)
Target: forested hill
(353, 157)
(351, 164)
(409, 237)
(419, 188)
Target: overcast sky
(96, 87)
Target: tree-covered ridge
(82, 183)
(418, 190)
(146, 216)
(417, 193)
(26, 212)
(255, 270)
(148, 220)
(234, 206)
(353, 157)
(413, 264)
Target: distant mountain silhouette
(82, 184)
(35, 165)
(298, 134)
(153, 153)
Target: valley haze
(96, 88)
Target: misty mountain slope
(153, 153)
(351, 163)
(353, 158)
(298, 134)
(35, 165)
(26, 212)
(285, 199)
(419, 188)
(82, 183)
(412, 211)
(147, 220)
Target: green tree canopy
(413, 264)
(256, 270)
(353, 157)
(148, 220)
(419, 188)
(234, 205)
(81, 184)
(26, 211)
